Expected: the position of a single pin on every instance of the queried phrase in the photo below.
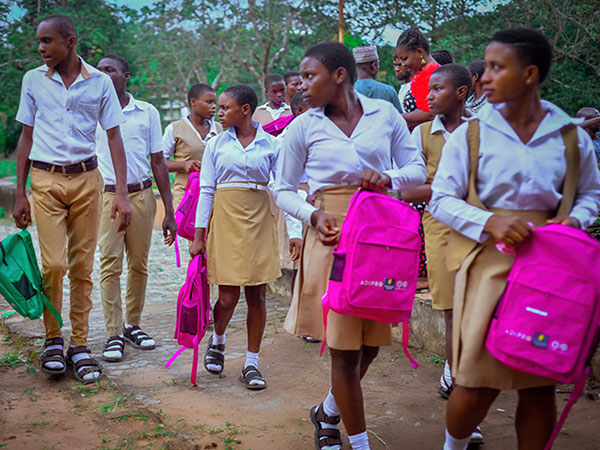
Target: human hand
(22, 212)
(565, 220)
(372, 180)
(121, 205)
(192, 166)
(510, 230)
(326, 227)
(169, 228)
(295, 248)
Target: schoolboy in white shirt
(142, 136)
(61, 104)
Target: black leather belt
(131, 188)
(83, 166)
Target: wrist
(314, 217)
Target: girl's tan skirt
(305, 316)
(479, 284)
(241, 245)
(441, 280)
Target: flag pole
(341, 21)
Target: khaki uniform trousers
(135, 240)
(67, 213)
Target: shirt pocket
(85, 117)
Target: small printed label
(539, 312)
(389, 284)
(401, 285)
(540, 340)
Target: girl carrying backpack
(519, 174)
(344, 142)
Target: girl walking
(519, 178)
(344, 142)
(234, 215)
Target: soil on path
(140, 404)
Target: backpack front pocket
(544, 317)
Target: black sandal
(84, 366)
(113, 344)
(325, 436)
(214, 358)
(135, 336)
(54, 355)
(249, 374)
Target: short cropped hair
(413, 39)
(272, 78)
(122, 61)
(243, 94)
(64, 25)
(587, 111)
(476, 67)
(297, 100)
(333, 55)
(457, 74)
(442, 57)
(289, 75)
(532, 47)
(197, 90)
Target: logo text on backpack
(388, 284)
(540, 340)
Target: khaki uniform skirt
(305, 316)
(441, 280)
(241, 244)
(480, 283)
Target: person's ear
(339, 75)
(71, 42)
(245, 109)
(127, 77)
(462, 92)
(474, 78)
(421, 54)
(532, 74)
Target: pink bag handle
(177, 256)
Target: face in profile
(230, 112)
(318, 86)
(293, 85)
(205, 105)
(53, 47)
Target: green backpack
(20, 278)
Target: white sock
(116, 353)
(359, 441)
(54, 364)
(330, 409)
(455, 444)
(446, 378)
(146, 342)
(251, 359)
(88, 376)
(217, 339)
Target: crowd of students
(334, 136)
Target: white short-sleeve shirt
(141, 133)
(64, 120)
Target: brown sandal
(84, 366)
(54, 355)
(325, 436)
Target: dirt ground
(153, 409)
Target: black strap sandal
(325, 436)
(84, 366)
(54, 355)
(114, 344)
(214, 358)
(249, 374)
(135, 336)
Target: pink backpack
(547, 322)
(193, 308)
(277, 126)
(375, 265)
(185, 215)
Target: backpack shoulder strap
(459, 246)
(569, 190)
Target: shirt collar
(260, 133)
(554, 120)
(84, 73)
(369, 106)
(134, 104)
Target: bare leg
(536, 417)
(348, 368)
(467, 407)
(448, 320)
(225, 306)
(257, 316)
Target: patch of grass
(437, 360)
(12, 360)
(162, 430)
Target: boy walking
(61, 104)
(142, 136)
(276, 106)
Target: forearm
(119, 160)
(417, 195)
(417, 117)
(23, 162)
(161, 175)
(176, 166)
